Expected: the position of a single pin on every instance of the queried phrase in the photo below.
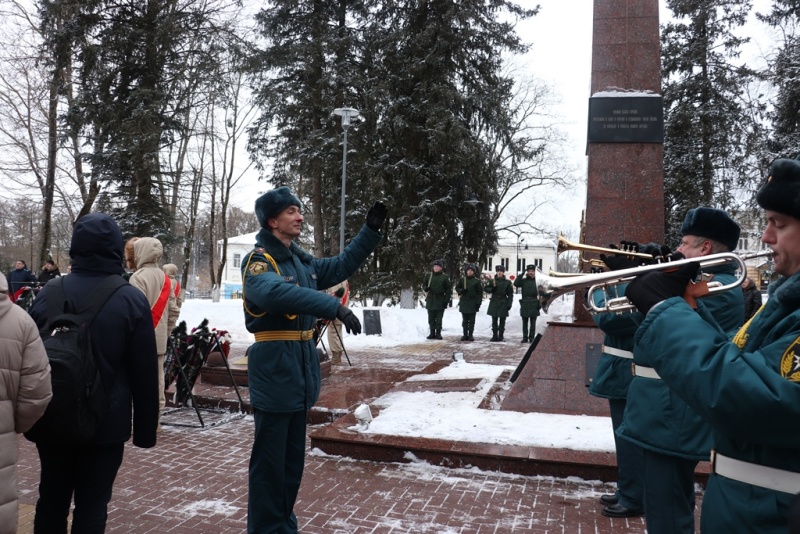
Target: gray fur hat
(272, 203)
(711, 223)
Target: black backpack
(79, 396)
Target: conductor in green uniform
(438, 293)
(500, 302)
(470, 291)
(282, 300)
(528, 303)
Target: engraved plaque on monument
(626, 119)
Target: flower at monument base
(224, 341)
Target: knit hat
(440, 263)
(711, 223)
(781, 191)
(272, 203)
(499, 268)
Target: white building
(238, 247)
(539, 251)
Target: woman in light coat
(25, 371)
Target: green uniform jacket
(470, 290)
(529, 303)
(613, 376)
(284, 375)
(502, 297)
(438, 289)
(656, 417)
(750, 396)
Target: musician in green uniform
(282, 300)
(529, 303)
(438, 293)
(470, 291)
(500, 302)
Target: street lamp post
(346, 114)
(519, 267)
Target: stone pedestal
(554, 379)
(624, 201)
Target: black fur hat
(472, 267)
(499, 268)
(440, 263)
(781, 191)
(271, 203)
(530, 267)
(711, 223)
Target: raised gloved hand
(349, 320)
(649, 289)
(376, 215)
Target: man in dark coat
(20, 277)
(282, 299)
(752, 298)
(438, 293)
(49, 271)
(528, 303)
(500, 302)
(470, 291)
(124, 347)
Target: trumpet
(565, 245)
(551, 287)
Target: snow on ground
(453, 415)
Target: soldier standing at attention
(500, 302)
(438, 293)
(470, 290)
(529, 303)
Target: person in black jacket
(49, 271)
(124, 347)
(752, 298)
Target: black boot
(500, 336)
(494, 336)
(524, 340)
(438, 333)
(432, 335)
(465, 336)
(469, 336)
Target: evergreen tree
(710, 126)
(783, 72)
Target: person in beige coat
(171, 270)
(25, 373)
(157, 287)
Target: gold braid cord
(274, 264)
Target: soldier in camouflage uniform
(438, 293)
(500, 302)
(470, 290)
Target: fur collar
(278, 250)
(786, 290)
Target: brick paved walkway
(195, 480)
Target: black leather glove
(349, 320)
(618, 261)
(649, 289)
(376, 215)
(339, 292)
